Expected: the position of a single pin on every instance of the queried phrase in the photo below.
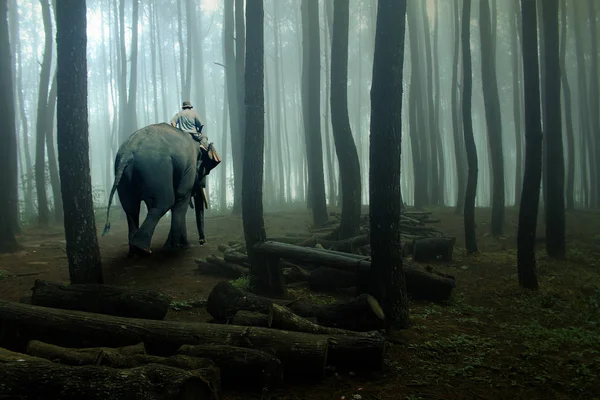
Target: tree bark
(103, 299)
(42, 120)
(86, 356)
(264, 278)
(240, 366)
(493, 116)
(83, 253)
(528, 210)
(44, 380)
(555, 172)
(459, 144)
(9, 195)
(311, 85)
(347, 154)
(471, 150)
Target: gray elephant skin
(161, 166)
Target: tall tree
(459, 144)
(342, 134)
(240, 62)
(515, 26)
(528, 210)
(73, 147)
(235, 107)
(492, 114)
(467, 97)
(387, 282)
(555, 174)
(311, 99)
(593, 93)
(42, 119)
(252, 181)
(9, 199)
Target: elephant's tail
(122, 164)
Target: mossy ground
(492, 340)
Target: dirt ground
(491, 341)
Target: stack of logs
(100, 341)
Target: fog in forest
(141, 76)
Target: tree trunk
(42, 120)
(555, 175)
(52, 161)
(387, 283)
(9, 195)
(594, 98)
(347, 154)
(493, 116)
(83, 253)
(264, 278)
(566, 90)
(459, 144)
(515, 25)
(471, 150)
(528, 210)
(311, 77)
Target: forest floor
(492, 340)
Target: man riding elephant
(188, 120)
(163, 167)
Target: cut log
(124, 357)
(250, 318)
(46, 380)
(103, 299)
(435, 248)
(214, 266)
(362, 313)
(8, 356)
(236, 258)
(86, 356)
(300, 352)
(329, 279)
(240, 366)
(420, 284)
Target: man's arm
(199, 125)
(174, 120)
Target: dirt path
(44, 257)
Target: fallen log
(85, 356)
(361, 314)
(236, 258)
(9, 356)
(103, 299)
(420, 283)
(435, 248)
(216, 266)
(300, 352)
(46, 380)
(124, 357)
(249, 318)
(240, 366)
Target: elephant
(165, 168)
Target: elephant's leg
(131, 206)
(157, 207)
(199, 211)
(177, 235)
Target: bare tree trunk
(347, 154)
(52, 161)
(515, 26)
(73, 147)
(459, 144)
(493, 115)
(41, 124)
(594, 100)
(471, 150)
(9, 195)
(555, 175)
(240, 140)
(566, 89)
(312, 111)
(387, 283)
(528, 210)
